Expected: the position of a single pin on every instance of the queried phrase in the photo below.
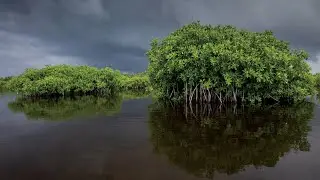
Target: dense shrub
(203, 62)
(135, 82)
(74, 80)
(317, 80)
(3, 82)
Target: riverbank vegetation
(138, 82)
(206, 63)
(67, 80)
(206, 140)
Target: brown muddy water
(91, 138)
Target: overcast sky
(117, 33)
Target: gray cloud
(117, 32)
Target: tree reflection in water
(61, 109)
(206, 139)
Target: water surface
(98, 139)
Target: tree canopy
(205, 62)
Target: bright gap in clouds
(19, 52)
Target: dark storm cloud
(117, 32)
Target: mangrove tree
(204, 62)
(68, 80)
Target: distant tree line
(66, 80)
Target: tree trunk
(190, 93)
(201, 98)
(209, 95)
(186, 92)
(197, 94)
(191, 96)
(205, 95)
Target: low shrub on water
(62, 80)
(135, 82)
(3, 82)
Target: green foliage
(317, 80)
(135, 82)
(196, 62)
(68, 108)
(74, 80)
(204, 140)
(229, 64)
(3, 83)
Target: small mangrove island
(195, 63)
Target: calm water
(97, 139)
